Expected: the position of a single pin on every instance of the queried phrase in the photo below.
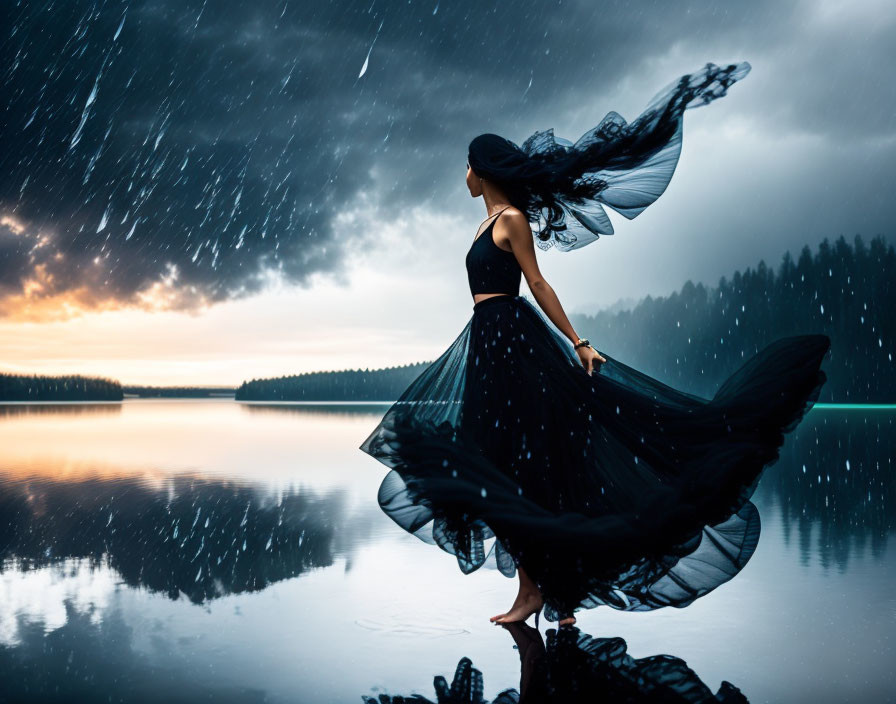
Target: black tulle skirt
(612, 488)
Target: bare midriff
(482, 296)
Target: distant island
(19, 387)
(692, 339)
(350, 385)
(75, 387)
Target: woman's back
(491, 269)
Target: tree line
(73, 387)
(695, 338)
(177, 391)
(348, 385)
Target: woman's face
(473, 183)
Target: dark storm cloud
(14, 260)
(204, 143)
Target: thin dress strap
(496, 216)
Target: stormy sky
(294, 171)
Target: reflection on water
(193, 537)
(60, 409)
(835, 485)
(576, 667)
(180, 550)
(220, 438)
(91, 660)
(327, 411)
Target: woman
(609, 488)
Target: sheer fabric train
(608, 489)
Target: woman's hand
(588, 355)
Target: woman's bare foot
(520, 595)
(526, 604)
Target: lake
(183, 550)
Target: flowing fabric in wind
(562, 186)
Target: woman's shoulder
(513, 216)
(513, 219)
(512, 227)
(513, 211)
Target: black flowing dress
(607, 489)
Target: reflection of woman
(576, 667)
(608, 488)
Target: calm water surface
(180, 550)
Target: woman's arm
(514, 229)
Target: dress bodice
(491, 269)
